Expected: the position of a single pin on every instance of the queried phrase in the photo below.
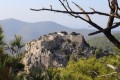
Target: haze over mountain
(31, 31)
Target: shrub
(64, 32)
(74, 33)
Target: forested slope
(103, 42)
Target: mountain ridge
(32, 30)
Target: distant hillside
(103, 42)
(31, 31)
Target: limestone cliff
(54, 49)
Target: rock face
(54, 49)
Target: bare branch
(108, 74)
(113, 5)
(96, 32)
(111, 18)
(114, 26)
(118, 8)
(92, 9)
(90, 22)
(112, 67)
(86, 15)
(68, 5)
(67, 9)
(73, 12)
(63, 5)
(76, 14)
(109, 3)
(51, 7)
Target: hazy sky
(20, 9)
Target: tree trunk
(112, 39)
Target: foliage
(48, 74)
(16, 45)
(89, 69)
(83, 69)
(2, 43)
(10, 65)
(36, 74)
(93, 68)
(74, 33)
(64, 32)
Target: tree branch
(63, 5)
(86, 15)
(108, 74)
(68, 6)
(96, 32)
(113, 5)
(109, 3)
(74, 12)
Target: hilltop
(29, 30)
(54, 49)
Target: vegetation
(93, 68)
(90, 69)
(103, 43)
(96, 66)
(9, 65)
(64, 32)
(16, 45)
(74, 33)
(84, 69)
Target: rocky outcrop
(54, 49)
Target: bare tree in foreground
(111, 24)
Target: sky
(20, 9)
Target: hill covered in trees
(83, 64)
(103, 43)
(97, 66)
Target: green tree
(2, 43)
(16, 45)
(9, 65)
(91, 69)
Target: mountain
(31, 31)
